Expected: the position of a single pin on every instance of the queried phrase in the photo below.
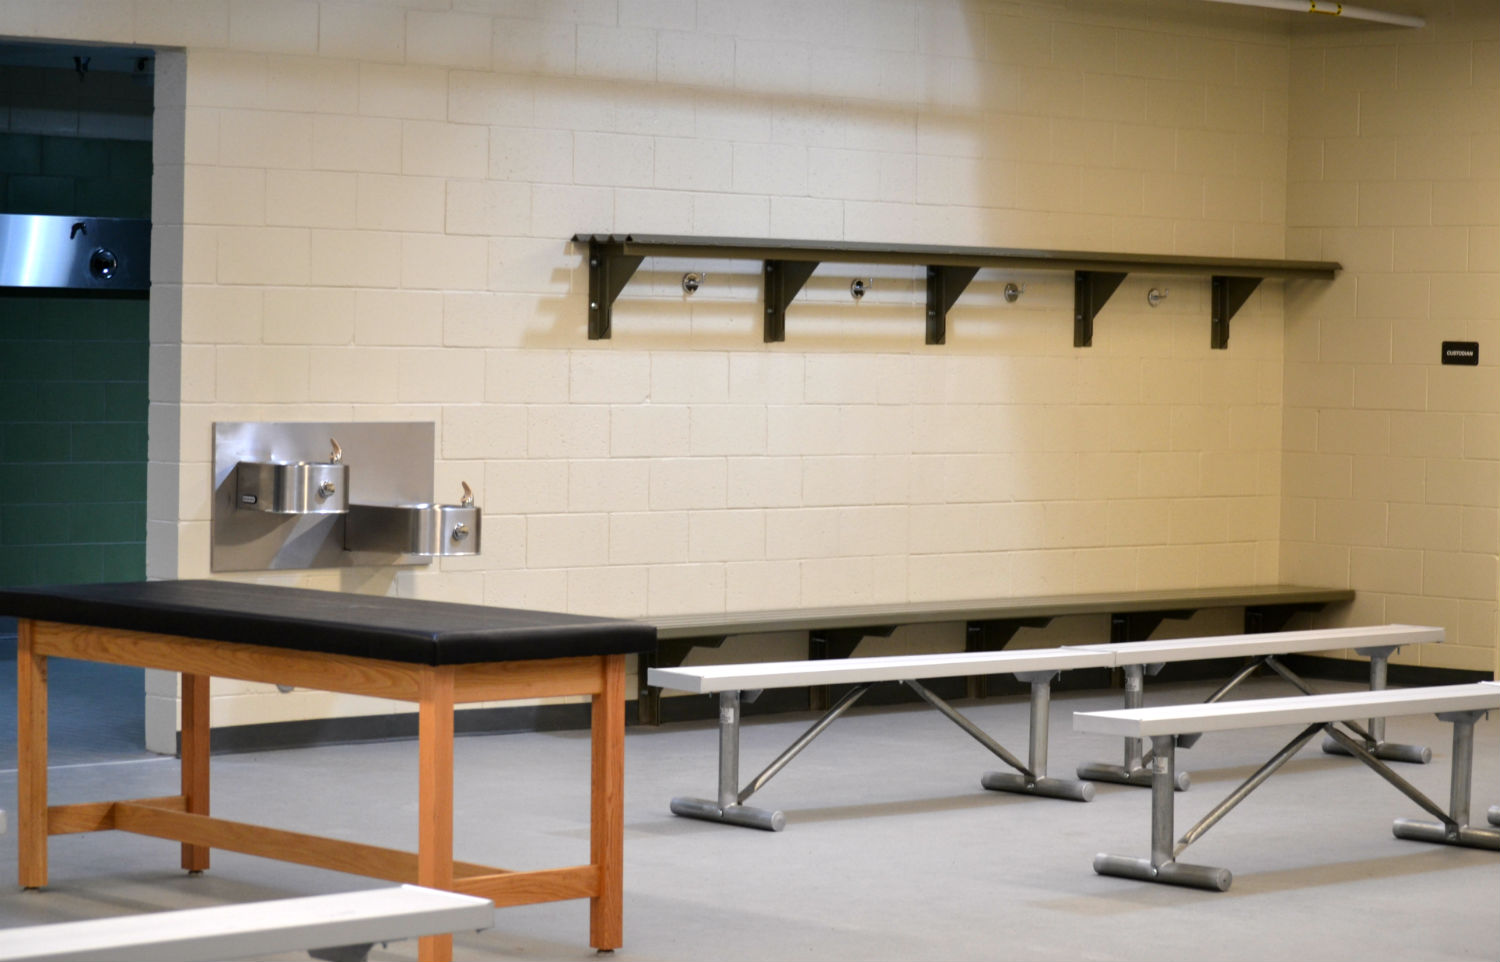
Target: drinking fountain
(280, 502)
(424, 529)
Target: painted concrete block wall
(1391, 475)
(375, 200)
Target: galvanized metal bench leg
(1163, 866)
(1032, 778)
(728, 808)
(1374, 736)
(1455, 829)
(1135, 771)
(1035, 780)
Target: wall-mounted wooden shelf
(614, 258)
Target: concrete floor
(891, 850)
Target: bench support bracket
(993, 636)
(669, 654)
(837, 643)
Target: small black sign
(1460, 352)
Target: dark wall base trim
(575, 716)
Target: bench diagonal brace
(1249, 785)
(1380, 768)
(974, 731)
(844, 703)
(1189, 739)
(1032, 778)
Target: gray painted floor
(891, 851)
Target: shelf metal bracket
(1091, 290)
(1229, 295)
(610, 268)
(944, 285)
(783, 280)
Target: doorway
(75, 140)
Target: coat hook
(860, 286)
(692, 281)
(1013, 292)
(1156, 295)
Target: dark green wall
(75, 176)
(73, 393)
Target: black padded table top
(362, 626)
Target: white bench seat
(1462, 705)
(1036, 667)
(343, 926)
(796, 674)
(1292, 710)
(1271, 643)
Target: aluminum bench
(1461, 705)
(341, 927)
(1141, 658)
(1036, 667)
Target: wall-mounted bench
(1462, 705)
(341, 927)
(990, 623)
(1036, 667)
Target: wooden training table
(436, 654)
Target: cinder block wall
(375, 201)
(1391, 473)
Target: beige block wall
(374, 201)
(1390, 473)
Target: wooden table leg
(607, 814)
(435, 797)
(31, 758)
(195, 729)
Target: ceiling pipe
(1327, 8)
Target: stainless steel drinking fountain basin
(428, 530)
(299, 487)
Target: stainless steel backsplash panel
(390, 462)
(87, 254)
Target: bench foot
(744, 815)
(1464, 835)
(1120, 775)
(1386, 751)
(1493, 815)
(1167, 873)
(1065, 788)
